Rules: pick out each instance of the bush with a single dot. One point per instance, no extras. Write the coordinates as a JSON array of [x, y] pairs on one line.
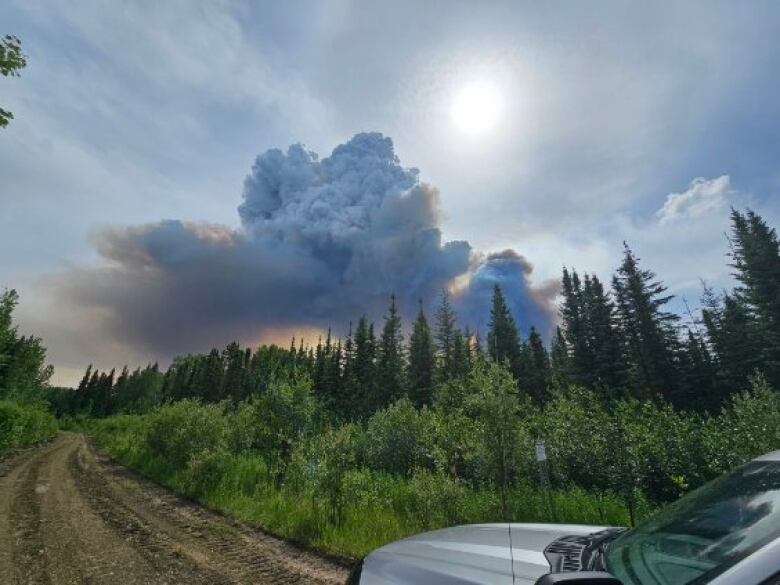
[[396, 439], [184, 429], [25, 424]]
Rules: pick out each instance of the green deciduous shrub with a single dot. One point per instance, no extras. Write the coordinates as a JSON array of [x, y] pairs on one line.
[[351, 487], [179, 431], [25, 424]]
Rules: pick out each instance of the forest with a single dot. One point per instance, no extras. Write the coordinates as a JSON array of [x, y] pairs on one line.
[[356, 441]]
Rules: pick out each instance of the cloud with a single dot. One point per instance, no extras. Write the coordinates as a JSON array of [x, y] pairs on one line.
[[322, 241], [702, 197]]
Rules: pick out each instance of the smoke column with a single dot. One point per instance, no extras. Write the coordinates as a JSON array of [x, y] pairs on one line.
[[322, 242]]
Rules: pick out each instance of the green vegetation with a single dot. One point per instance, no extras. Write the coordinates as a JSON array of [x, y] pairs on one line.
[[22, 425], [355, 442], [24, 417], [352, 487], [12, 60]]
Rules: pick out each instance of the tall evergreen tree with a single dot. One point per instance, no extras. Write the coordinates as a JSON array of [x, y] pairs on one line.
[[734, 342], [422, 361], [445, 337], [651, 339], [390, 359], [559, 361], [574, 318], [360, 382], [605, 340], [461, 354], [698, 388], [536, 367], [756, 260], [502, 340], [593, 338], [233, 383], [207, 377]]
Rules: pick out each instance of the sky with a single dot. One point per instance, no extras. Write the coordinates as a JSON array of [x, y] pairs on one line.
[[141, 127]]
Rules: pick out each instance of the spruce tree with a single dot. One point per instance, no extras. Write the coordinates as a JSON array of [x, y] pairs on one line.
[[422, 362], [651, 340], [233, 380], [559, 361], [390, 359], [461, 355], [361, 380], [445, 334], [593, 338], [606, 347], [503, 343], [699, 389], [574, 318], [537, 375], [207, 377], [734, 342], [755, 258]]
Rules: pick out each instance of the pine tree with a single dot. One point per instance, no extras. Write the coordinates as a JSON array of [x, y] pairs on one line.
[[422, 361], [649, 331], [390, 359], [503, 341]]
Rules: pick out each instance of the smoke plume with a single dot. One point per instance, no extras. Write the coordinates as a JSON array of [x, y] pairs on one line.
[[322, 242]]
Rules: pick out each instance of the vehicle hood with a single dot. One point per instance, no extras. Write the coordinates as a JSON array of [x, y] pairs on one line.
[[476, 554], [529, 542]]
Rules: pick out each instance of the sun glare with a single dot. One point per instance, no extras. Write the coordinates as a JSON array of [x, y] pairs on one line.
[[477, 108]]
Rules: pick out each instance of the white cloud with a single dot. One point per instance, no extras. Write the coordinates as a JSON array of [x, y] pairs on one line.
[[702, 197]]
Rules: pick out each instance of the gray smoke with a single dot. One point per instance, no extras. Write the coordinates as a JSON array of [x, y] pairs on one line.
[[322, 242]]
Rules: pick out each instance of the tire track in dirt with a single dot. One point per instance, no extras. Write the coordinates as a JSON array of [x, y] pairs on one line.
[[25, 526], [70, 515], [229, 548]]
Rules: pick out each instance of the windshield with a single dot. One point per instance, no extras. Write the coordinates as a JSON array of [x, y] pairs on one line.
[[704, 533]]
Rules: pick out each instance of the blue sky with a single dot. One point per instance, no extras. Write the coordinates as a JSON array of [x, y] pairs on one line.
[[620, 122]]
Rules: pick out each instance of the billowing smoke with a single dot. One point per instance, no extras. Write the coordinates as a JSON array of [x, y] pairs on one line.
[[322, 242]]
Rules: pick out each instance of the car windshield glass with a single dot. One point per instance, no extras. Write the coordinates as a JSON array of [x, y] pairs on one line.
[[704, 533]]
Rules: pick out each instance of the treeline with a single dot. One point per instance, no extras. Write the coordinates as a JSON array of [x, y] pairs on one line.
[[24, 375], [619, 343]]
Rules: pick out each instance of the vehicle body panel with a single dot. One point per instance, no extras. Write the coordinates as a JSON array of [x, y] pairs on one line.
[[529, 542], [473, 554]]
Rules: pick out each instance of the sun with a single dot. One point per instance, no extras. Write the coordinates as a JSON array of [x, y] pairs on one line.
[[477, 108]]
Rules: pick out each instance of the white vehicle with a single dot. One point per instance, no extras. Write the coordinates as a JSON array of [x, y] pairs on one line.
[[725, 533]]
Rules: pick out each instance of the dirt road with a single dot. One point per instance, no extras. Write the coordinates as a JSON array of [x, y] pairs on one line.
[[70, 515]]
